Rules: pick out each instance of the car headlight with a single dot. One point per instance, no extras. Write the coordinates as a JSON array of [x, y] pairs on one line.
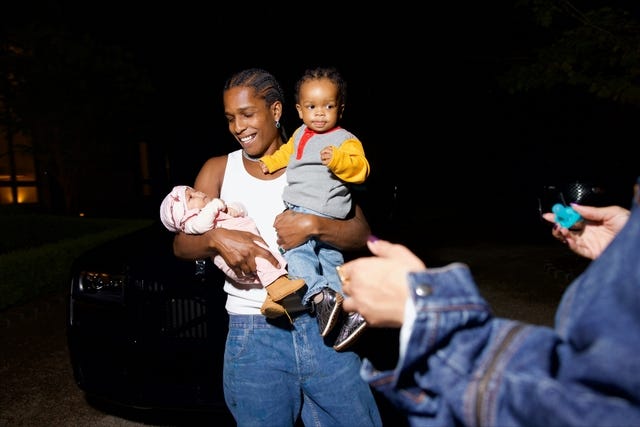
[[101, 284]]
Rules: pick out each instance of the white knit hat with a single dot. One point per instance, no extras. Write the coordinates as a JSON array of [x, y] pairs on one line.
[[173, 209]]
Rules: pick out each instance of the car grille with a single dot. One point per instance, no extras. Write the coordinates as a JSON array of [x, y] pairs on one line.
[[186, 318], [175, 311]]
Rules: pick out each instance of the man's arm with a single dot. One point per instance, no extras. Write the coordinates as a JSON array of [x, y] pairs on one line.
[[295, 228]]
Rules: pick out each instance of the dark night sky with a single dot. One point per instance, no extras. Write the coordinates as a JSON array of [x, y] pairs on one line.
[[421, 85]]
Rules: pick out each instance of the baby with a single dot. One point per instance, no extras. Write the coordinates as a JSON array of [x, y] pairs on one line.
[[193, 212]]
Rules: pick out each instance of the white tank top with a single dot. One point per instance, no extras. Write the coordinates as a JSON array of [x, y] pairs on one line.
[[263, 200]]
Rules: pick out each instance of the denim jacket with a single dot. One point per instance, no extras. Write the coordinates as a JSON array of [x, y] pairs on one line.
[[463, 366]]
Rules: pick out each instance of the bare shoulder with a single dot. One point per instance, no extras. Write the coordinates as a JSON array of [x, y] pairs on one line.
[[216, 162], [209, 179]]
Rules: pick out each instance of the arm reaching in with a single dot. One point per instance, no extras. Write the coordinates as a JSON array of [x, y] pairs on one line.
[[601, 224], [377, 286]]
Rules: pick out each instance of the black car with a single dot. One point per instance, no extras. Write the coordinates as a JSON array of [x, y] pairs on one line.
[[146, 329]]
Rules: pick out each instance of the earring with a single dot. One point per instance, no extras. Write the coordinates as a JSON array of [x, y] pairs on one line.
[[277, 124]]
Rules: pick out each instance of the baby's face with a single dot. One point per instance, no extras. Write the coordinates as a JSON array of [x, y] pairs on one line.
[[196, 199]]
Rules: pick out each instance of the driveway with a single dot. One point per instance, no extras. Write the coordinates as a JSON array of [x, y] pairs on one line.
[[37, 381]]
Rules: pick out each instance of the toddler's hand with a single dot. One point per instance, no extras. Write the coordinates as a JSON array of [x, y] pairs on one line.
[[326, 155], [264, 167]]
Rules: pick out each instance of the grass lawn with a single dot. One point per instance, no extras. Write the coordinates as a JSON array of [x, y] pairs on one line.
[[36, 251]]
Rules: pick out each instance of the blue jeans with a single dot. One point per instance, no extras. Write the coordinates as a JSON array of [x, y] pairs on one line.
[[315, 262], [274, 372]]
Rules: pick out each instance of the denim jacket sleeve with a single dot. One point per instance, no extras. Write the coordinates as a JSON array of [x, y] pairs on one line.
[[464, 366]]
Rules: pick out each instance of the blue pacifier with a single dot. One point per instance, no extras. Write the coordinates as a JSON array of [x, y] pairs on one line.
[[566, 216]]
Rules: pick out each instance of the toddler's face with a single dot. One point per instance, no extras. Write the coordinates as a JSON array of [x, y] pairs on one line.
[[318, 105], [196, 199]]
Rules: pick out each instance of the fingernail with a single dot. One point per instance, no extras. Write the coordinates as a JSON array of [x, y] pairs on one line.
[[372, 239]]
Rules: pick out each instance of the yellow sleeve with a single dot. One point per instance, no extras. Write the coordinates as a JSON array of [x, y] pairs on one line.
[[349, 162], [280, 158]]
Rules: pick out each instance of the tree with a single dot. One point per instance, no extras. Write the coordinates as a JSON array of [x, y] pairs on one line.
[[80, 99], [593, 46]]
